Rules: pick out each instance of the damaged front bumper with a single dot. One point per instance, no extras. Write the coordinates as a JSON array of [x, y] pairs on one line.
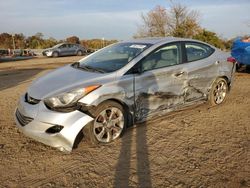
[[56, 129]]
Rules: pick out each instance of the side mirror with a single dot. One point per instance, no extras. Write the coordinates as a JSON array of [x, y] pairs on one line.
[[136, 69]]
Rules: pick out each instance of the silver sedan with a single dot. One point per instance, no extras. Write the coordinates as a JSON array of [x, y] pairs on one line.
[[64, 49], [120, 85]]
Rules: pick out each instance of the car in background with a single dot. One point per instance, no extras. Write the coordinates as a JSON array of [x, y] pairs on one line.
[[16, 52], [3, 52], [124, 83], [64, 49], [241, 52]]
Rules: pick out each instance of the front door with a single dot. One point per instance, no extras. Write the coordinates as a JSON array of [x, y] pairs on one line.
[[63, 49], [160, 86]]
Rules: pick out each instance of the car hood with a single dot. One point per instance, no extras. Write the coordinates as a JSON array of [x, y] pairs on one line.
[[47, 49], [65, 79]]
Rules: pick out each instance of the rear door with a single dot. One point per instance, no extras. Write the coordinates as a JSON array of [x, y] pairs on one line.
[[201, 67], [72, 49]]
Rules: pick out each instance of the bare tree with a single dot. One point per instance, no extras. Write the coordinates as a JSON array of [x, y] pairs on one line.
[[184, 22], [178, 21], [155, 23]]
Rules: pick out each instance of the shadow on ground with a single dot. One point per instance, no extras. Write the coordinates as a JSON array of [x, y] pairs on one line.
[[12, 78], [124, 174]]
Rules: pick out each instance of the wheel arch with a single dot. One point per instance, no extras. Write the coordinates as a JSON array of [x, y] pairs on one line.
[[128, 109], [123, 104]]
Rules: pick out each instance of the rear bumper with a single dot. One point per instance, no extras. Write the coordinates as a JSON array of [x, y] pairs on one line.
[[34, 120]]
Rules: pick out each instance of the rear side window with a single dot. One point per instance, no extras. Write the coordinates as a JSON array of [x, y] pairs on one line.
[[196, 51], [69, 45]]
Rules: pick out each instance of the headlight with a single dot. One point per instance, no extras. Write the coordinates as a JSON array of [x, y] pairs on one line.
[[68, 99]]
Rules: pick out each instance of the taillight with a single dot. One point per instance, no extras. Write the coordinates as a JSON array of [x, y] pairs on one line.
[[231, 60]]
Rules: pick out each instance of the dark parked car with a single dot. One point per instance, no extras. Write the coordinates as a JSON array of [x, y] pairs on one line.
[[3, 52], [64, 49]]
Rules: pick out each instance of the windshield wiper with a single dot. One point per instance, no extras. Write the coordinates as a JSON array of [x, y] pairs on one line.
[[94, 69], [87, 68]]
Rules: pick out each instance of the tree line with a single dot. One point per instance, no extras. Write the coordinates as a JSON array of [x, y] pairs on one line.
[[37, 41], [178, 21]]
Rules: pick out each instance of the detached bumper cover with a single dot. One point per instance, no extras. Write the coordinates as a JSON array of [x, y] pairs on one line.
[[34, 120]]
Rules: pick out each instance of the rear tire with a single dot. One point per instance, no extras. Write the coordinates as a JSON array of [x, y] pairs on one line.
[[218, 92], [109, 123], [79, 53]]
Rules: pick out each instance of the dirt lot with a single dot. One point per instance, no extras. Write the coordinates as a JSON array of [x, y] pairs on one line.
[[198, 147]]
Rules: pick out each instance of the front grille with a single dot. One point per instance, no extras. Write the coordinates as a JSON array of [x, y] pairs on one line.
[[31, 100], [23, 120]]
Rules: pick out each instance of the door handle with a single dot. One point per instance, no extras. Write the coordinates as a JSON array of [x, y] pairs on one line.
[[179, 74]]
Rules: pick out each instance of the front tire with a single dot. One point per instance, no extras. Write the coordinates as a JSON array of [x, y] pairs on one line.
[[109, 123], [218, 92], [55, 54]]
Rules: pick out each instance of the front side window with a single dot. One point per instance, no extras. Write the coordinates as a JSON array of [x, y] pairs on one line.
[[57, 45], [168, 55], [114, 57], [196, 51]]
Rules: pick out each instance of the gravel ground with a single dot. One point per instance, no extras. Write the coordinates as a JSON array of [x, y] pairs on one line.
[[197, 147]]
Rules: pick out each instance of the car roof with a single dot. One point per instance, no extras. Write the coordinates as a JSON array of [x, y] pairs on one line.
[[67, 43], [155, 40]]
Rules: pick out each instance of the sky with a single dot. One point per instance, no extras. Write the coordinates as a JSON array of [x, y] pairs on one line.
[[114, 19]]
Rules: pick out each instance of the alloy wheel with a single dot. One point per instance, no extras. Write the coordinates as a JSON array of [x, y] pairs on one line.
[[108, 125]]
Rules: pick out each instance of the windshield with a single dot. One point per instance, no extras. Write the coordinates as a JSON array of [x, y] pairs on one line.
[[57, 45], [113, 57]]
